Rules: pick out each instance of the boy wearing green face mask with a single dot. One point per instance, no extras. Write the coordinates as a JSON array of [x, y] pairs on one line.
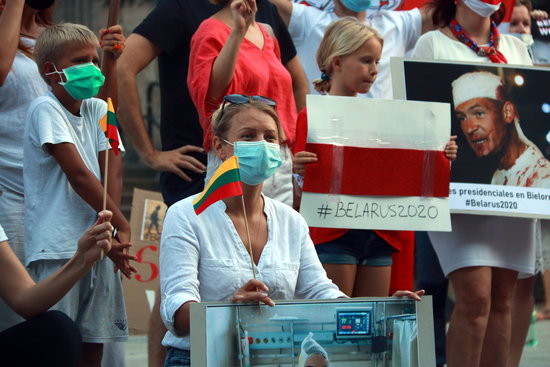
[[64, 152]]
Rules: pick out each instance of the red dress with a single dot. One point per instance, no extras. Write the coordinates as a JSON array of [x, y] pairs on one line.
[[257, 72], [403, 241]]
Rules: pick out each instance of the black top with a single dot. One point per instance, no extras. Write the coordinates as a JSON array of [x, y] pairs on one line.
[[170, 26]]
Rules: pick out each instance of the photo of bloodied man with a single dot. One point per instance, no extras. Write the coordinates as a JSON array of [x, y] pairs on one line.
[[489, 121], [501, 116]]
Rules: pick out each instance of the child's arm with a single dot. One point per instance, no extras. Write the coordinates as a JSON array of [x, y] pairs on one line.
[[299, 160], [88, 187]]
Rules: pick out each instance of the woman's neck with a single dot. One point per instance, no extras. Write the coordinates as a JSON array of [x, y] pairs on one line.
[[29, 26], [252, 198], [477, 27]]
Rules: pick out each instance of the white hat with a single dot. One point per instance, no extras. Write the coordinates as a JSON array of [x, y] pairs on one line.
[[479, 84]]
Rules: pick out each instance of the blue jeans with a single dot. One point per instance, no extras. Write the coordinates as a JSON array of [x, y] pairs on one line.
[[177, 358]]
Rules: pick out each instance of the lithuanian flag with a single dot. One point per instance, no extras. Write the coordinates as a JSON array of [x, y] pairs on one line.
[[226, 182], [109, 126]]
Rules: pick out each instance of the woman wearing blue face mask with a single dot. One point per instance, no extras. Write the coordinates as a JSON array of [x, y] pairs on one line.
[[205, 257]]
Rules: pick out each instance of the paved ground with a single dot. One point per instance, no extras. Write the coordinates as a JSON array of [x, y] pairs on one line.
[[538, 356]]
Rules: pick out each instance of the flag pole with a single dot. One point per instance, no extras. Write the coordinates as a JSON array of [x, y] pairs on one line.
[[106, 68], [248, 238]]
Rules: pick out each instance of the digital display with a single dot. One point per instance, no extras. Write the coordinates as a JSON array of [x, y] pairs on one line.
[[353, 323]]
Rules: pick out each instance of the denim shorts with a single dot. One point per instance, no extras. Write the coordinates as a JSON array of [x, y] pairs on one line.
[[177, 357], [356, 247]]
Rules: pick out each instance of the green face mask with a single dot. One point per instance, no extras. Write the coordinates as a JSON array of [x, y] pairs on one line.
[[82, 81]]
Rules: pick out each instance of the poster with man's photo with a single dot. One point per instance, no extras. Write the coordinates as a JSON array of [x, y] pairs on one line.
[[501, 117]]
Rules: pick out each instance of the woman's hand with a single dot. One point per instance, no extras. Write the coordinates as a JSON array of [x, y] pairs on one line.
[[112, 40], [412, 295], [299, 161], [253, 291], [243, 13], [451, 149], [97, 239]]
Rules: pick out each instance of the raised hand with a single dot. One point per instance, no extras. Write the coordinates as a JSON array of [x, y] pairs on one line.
[[112, 40], [243, 13]]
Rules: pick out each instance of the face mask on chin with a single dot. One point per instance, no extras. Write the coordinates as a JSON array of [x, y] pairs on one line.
[[483, 8], [527, 39]]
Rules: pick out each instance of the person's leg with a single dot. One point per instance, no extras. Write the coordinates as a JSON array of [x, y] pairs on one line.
[[499, 326], [545, 312], [430, 277], [472, 286], [91, 355], [522, 309], [372, 281], [156, 351], [48, 340], [114, 354], [343, 275]]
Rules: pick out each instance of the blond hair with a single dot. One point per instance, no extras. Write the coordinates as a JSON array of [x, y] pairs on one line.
[[51, 44], [342, 37], [221, 123]]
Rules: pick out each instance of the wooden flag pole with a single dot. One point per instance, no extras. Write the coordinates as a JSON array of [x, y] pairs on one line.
[[249, 241], [107, 68]]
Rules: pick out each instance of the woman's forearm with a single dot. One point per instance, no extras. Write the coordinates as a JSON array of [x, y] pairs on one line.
[[182, 320], [38, 298], [224, 65]]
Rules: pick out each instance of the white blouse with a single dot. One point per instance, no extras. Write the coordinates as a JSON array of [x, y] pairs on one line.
[[202, 258]]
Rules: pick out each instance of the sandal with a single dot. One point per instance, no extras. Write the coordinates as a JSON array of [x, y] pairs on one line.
[[544, 314]]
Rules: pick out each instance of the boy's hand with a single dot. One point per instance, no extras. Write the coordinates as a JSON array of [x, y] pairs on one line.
[[112, 40], [120, 256]]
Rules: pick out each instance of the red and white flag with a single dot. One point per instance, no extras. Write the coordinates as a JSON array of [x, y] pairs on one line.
[[380, 164]]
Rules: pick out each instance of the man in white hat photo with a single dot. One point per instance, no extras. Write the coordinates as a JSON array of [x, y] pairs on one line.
[[490, 123]]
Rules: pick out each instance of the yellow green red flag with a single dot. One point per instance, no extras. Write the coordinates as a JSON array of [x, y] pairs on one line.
[[226, 182], [109, 126]]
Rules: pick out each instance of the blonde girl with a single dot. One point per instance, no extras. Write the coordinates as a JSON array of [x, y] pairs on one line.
[[358, 261]]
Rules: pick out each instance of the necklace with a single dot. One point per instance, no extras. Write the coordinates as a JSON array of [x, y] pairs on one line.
[[490, 51]]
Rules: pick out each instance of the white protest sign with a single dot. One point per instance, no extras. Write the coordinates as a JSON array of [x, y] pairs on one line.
[[370, 148]]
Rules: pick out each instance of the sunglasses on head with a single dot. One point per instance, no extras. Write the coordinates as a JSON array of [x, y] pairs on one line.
[[242, 99]]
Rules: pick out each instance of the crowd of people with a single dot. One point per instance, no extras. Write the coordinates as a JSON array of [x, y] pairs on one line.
[[233, 79]]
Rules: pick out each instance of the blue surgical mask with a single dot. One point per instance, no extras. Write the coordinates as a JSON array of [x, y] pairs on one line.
[[258, 160], [357, 5]]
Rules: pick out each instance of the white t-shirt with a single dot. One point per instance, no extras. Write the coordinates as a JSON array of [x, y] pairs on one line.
[[436, 45], [531, 169], [55, 215], [400, 30], [202, 258], [3, 236], [22, 85]]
